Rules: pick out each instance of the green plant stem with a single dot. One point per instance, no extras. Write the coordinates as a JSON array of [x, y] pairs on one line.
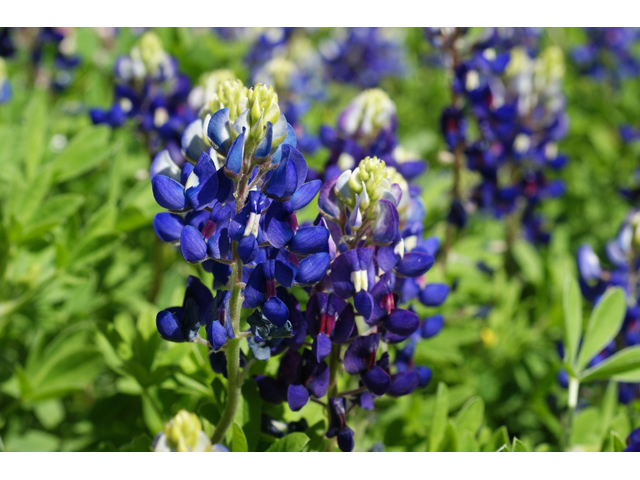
[[574, 388], [234, 378]]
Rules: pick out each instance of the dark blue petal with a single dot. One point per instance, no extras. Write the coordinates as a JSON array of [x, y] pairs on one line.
[[414, 264], [169, 323], [403, 383], [345, 440], [305, 194], [276, 311], [385, 226], [202, 185], [376, 380], [313, 268], [363, 301], [264, 148], [233, 167], [168, 193], [425, 375], [402, 322], [328, 203], [248, 249], [219, 130], [318, 384], [297, 397], [308, 240], [216, 334], [434, 294], [168, 226], [431, 326], [192, 245], [321, 347]]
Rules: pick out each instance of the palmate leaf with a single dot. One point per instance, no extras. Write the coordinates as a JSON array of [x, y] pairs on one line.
[[439, 423], [604, 324]]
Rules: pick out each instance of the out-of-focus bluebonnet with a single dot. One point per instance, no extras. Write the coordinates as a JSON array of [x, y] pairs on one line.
[[5, 86], [512, 93], [633, 441], [152, 93], [621, 269], [608, 53], [286, 59], [367, 127], [363, 56]]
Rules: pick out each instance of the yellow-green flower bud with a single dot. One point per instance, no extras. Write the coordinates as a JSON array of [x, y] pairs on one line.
[[368, 113], [231, 94], [149, 50], [278, 71], [184, 433]]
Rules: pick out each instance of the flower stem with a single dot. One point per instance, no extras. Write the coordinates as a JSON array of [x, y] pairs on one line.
[[234, 378], [574, 388]]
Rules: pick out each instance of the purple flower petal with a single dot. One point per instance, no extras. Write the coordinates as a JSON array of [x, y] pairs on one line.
[[403, 383], [321, 347], [385, 226], [308, 240], [202, 185], [414, 264], [305, 194], [361, 354], [431, 326], [313, 268], [297, 397]]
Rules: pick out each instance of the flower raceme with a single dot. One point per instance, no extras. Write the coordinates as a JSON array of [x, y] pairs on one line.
[[232, 208]]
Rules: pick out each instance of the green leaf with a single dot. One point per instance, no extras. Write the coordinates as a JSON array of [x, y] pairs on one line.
[[529, 261], [585, 432], [499, 440], [33, 133], [439, 423], [617, 444], [608, 410], [626, 360], [50, 413], [471, 416], [53, 212], [92, 249], [467, 442], [518, 446], [294, 442], [85, 151], [239, 442], [604, 324], [572, 304], [252, 413]]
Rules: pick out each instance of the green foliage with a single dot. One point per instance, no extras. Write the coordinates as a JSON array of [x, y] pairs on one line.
[[82, 367]]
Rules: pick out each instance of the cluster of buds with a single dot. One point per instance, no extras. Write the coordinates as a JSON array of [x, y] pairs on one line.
[[514, 96], [152, 92], [623, 270], [232, 208]]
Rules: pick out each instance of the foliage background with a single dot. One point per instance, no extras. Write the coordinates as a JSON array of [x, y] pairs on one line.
[[82, 276]]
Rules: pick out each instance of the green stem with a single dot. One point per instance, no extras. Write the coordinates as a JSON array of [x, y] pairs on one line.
[[234, 378], [574, 388]]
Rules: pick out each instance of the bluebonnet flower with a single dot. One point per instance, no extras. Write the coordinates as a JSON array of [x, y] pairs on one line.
[[151, 91], [608, 53], [53, 54], [363, 56], [362, 257], [623, 255], [512, 92]]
